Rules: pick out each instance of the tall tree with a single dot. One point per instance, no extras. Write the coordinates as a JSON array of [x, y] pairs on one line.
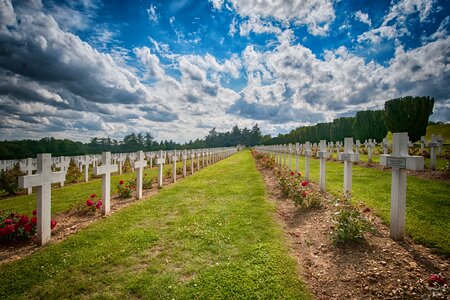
[[342, 128], [408, 114], [369, 124]]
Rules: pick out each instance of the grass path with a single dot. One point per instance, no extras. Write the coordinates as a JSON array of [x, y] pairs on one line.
[[210, 236], [427, 203]]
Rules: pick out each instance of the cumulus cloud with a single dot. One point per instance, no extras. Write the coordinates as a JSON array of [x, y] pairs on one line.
[[150, 61], [317, 15], [363, 17], [394, 24], [152, 15]]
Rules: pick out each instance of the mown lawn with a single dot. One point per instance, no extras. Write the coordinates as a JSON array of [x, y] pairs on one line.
[[427, 203], [67, 197], [210, 236]]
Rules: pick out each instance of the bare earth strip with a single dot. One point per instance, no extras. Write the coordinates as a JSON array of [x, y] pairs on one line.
[[379, 268]]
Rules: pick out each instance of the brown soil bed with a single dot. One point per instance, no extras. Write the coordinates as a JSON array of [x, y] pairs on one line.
[[71, 222], [378, 268]]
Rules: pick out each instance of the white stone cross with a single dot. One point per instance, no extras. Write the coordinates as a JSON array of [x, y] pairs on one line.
[[348, 157], [422, 144], [184, 158], [399, 160], [369, 146], [297, 153], [308, 154], [63, 165], [289, 151], [385, 145], [43, 180], [86, 161], [121, 159], [28, 168], [174, 165], [331, 147], [203, 158], [105, 170], [139, 165], [192, 162], [358, 145], [323, 155], [197, 154], [160, 161], [432, 146], [439, 144]]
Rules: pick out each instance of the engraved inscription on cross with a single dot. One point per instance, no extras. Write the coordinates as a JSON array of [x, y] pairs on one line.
[[43, 180], [105, 170]]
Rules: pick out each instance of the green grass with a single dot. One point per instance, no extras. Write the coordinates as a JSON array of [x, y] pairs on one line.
[[427, 203], [443, 129], [67, 197], [210, 236]]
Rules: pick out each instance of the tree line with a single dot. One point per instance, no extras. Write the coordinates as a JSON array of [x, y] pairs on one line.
[[130, 143], [408, 114]]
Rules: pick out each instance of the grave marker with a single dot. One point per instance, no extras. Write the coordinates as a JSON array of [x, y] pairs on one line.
[[290, 156], [139, 165], [43, 180], [184, 158], [348, 157], [105, 170], [174, 165], [323, 155], [399, 160], [308, 154], [297, 153], [28, 168], [160, 160]]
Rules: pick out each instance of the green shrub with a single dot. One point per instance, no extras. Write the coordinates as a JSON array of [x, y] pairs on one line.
[[349, 225], [73, 172], [9, 179]]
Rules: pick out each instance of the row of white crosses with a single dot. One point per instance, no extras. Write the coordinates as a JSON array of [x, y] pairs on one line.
[[399, 161], [44, 178]]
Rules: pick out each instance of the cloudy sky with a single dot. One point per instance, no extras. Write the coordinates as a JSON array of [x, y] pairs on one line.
[[79, 69]]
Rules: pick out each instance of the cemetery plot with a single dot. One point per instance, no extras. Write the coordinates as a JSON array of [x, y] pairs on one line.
[[377, 268], [427, 207], [211, 234]]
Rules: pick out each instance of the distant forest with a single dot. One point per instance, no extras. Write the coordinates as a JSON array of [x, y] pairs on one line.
[[130, 143]]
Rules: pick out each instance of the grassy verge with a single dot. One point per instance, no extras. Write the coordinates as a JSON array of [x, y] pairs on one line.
[[210, 236], [67, 197], [428, 201]]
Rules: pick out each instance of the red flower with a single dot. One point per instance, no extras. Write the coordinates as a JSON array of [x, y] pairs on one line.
[[3, 232], [34, 220], [304, 194], [99, 204], [436, 279], [9, 229], [121, 182], [292, 173], [34, 212], [93, 195], [24, 219], [89, 202], [53, 224], [304, 183], [8, 221], [28, 227]]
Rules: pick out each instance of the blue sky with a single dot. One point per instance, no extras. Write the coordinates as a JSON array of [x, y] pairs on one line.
[[79, 69]]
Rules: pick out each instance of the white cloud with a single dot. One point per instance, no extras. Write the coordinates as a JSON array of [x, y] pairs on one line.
[[317, 15], [363, 17], [150, 61], [152, 15], [257, 26], [395, 22], [217, 4]]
